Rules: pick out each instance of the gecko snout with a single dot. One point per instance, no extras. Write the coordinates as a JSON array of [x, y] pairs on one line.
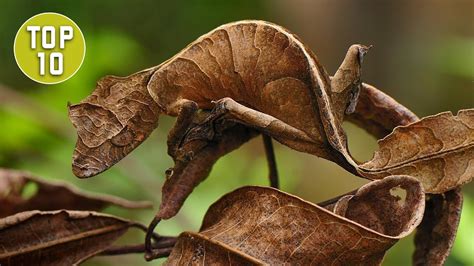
[[84, 166]]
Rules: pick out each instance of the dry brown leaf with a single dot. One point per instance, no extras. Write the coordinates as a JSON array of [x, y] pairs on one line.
[[51, 196], [379, 206], [438, 150], [197, 249], [276, 228], [435, 235], [57, 237]]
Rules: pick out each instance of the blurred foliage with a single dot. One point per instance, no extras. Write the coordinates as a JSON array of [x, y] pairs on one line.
[[426, 59]]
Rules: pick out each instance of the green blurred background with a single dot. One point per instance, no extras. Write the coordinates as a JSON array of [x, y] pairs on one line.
[[423, 56]]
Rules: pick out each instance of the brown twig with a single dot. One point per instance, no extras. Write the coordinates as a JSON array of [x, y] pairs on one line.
[[271, 160], [153, 235]]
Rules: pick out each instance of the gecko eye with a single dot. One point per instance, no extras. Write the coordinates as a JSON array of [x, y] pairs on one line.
[[363, 50], [124, 138], [169, 172]]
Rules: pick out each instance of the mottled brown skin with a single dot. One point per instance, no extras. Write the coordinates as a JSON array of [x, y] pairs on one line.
[[111, 122], [260, 73], [192, 168]]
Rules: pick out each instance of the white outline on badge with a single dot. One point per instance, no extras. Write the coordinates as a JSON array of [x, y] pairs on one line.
[[83, 54]]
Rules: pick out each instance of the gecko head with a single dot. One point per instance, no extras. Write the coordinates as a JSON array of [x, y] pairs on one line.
[[360, 51], [111, 122]]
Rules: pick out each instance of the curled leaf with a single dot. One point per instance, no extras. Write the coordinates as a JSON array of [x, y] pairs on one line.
[[57, 237], [378, 206], [277, 228], [435, 235], [438, 150], [51, 196]]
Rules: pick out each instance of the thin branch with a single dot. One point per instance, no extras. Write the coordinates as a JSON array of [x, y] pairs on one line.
[[153, 235], [131, 249], [272, 165], [161, 248]]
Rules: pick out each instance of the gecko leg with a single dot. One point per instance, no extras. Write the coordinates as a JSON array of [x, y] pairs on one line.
[[272, 166], [186, 112], [185, 117], [265, 123]]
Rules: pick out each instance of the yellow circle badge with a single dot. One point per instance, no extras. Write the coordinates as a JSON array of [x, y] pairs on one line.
[[49, 48]]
